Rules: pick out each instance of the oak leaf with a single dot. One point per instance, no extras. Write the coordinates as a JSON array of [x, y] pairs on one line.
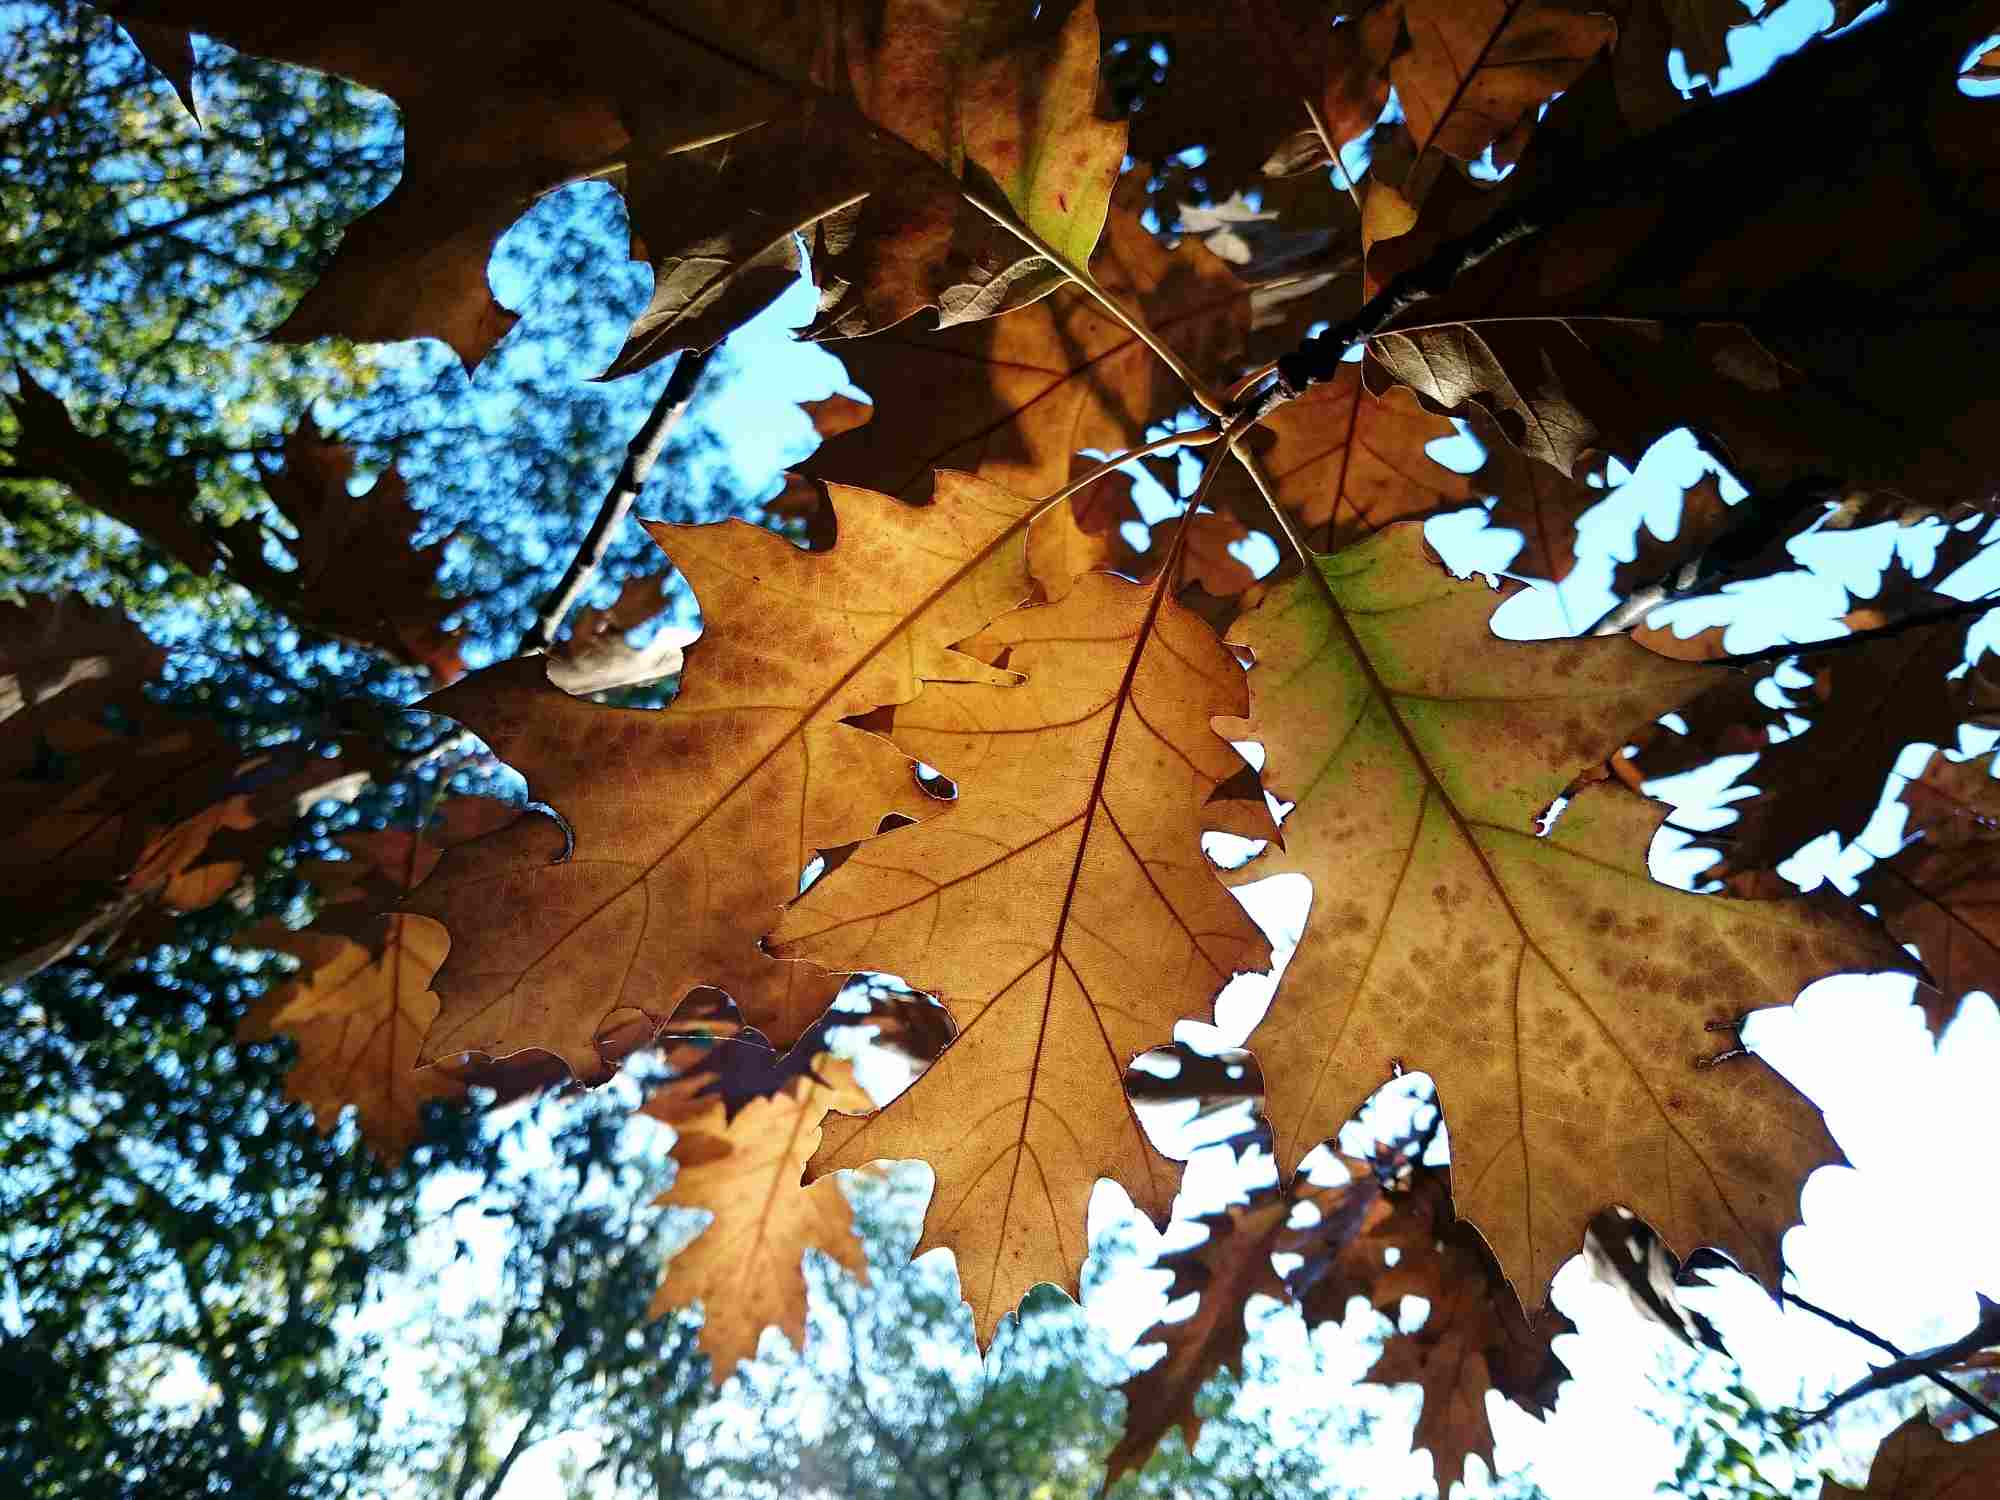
[[1941, 890], [1347, 462], [1307, 65], [354, 574], [745, 1171], [1915, 1462], [357, 574], [733, 127], [1061, 909], [1476, 1337], [170, 50], [361, 1004], [1554, 990], [1230, 1266], [49, 445], [1476, 70], [692, 825], [358, 1012], [1828, 773]]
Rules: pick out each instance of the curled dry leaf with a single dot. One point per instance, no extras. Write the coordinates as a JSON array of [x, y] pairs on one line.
[[745, 1171], [1061, 909], [105, 818], [1622, 1252], [733, 127], [1679, 299], [692, 824], [597, 657], [1555, 991]]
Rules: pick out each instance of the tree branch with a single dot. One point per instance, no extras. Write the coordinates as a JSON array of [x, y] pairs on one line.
[[1687, 144], [1910, 1366], [640, 456], [1760, 521]]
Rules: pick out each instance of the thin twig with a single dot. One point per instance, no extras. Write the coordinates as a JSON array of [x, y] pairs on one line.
[[640, 456], [1957, 609], [1325, 135], [1760, 520], [1936, 1377]]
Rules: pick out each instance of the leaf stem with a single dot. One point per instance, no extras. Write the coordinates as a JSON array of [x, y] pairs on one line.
[[1197, 387], [1226, 445], [1199, 437]]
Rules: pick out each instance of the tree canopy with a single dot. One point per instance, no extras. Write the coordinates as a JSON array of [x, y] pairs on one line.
[[385, 813]]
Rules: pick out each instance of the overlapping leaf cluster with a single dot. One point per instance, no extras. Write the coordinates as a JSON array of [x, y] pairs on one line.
[[984, 600]]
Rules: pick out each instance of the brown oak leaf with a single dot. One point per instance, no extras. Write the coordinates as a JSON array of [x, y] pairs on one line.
[[1063, 911], [1556, 992], [692, 825], [745, 1171]]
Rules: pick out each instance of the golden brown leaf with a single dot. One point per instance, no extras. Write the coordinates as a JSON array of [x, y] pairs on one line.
[[361, 1004], [1476, 70], [744, 1267], [1915, 1462], [1347, 463], [359, 1011], [1062, 909], [692, 825], [102, 819], [1555, 991]]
